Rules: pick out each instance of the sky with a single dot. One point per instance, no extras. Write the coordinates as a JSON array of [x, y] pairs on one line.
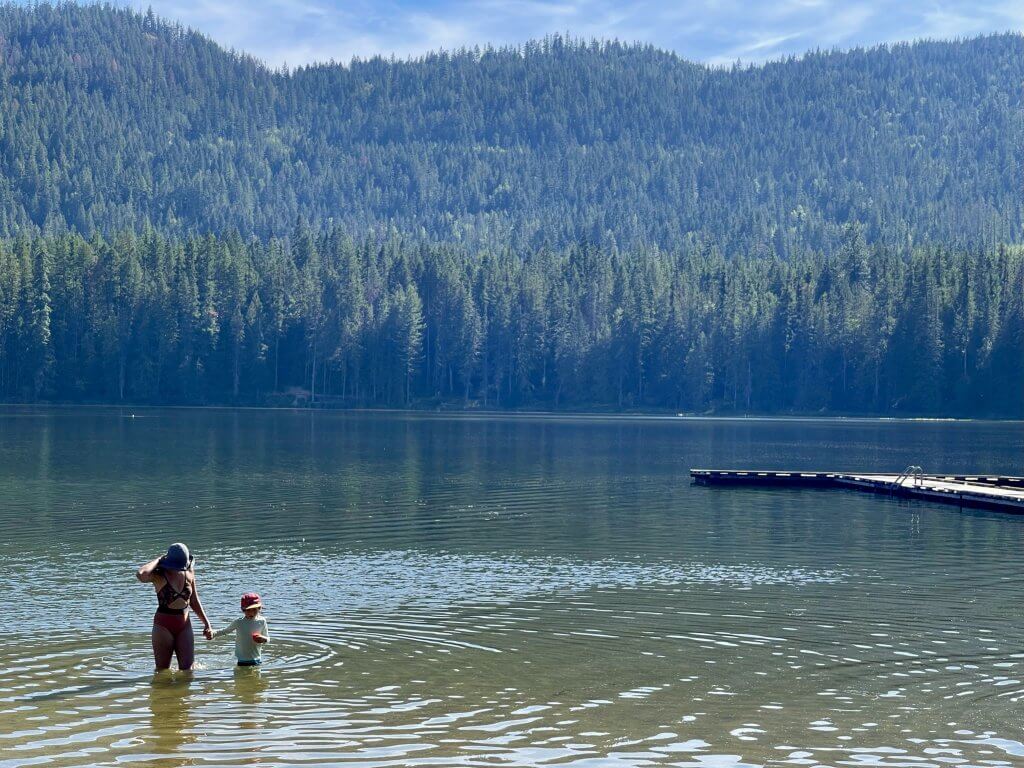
[[711, 31]]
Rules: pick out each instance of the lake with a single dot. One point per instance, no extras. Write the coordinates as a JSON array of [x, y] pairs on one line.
[[488, 590]]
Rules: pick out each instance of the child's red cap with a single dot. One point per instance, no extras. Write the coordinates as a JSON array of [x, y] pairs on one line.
[[251, 600]]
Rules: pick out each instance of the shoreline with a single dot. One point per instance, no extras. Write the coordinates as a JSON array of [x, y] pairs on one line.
[[498, 413]]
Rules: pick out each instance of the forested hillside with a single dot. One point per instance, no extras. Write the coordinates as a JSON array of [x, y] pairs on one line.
[[112, 120], [565, 224], [153, 318]]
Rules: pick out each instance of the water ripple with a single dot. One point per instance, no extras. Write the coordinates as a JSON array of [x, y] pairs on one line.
[[466, 592]]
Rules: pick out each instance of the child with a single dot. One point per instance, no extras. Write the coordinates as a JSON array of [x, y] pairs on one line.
[[251, 632]]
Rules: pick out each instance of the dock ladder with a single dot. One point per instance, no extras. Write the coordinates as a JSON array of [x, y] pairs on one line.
[[913, 473]]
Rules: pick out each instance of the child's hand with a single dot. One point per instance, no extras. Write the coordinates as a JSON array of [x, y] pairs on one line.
[[259, 639]]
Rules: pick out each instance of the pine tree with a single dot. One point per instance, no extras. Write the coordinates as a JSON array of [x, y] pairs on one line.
[[40, 350]]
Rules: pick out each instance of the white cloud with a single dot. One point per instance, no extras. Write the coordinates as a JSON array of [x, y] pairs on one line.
[[714, 31], [769, 43], [845, 25], [943, 23]]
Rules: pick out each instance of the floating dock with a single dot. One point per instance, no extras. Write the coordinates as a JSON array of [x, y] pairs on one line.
[[998, 492]]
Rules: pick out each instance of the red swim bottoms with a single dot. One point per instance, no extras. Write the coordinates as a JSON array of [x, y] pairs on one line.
[[175, 623]]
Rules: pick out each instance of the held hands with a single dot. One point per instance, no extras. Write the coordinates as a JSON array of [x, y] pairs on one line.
[[208, 632]]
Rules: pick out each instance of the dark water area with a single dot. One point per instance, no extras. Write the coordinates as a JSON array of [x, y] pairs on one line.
[[484, 590]]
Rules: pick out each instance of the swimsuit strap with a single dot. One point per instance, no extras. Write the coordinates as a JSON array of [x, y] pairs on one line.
[[185, 592], [173, 595]]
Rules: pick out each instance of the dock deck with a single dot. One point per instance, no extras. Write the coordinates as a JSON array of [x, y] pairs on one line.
[[999, 492]]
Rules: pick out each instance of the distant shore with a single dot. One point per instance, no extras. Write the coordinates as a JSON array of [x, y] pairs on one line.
[[452, 410]]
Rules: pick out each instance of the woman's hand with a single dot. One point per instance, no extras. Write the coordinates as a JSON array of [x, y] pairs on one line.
[[208, 632]]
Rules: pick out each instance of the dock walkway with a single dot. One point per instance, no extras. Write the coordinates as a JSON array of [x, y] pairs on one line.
[[1000, 492]]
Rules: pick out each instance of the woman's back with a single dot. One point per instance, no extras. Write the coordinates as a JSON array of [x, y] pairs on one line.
[[168, 595]]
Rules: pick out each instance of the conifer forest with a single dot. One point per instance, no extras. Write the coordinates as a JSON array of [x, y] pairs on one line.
[[561, 225]]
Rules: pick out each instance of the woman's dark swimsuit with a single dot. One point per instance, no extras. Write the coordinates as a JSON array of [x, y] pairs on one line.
[[176, 621], [169, 594], [173, 620]]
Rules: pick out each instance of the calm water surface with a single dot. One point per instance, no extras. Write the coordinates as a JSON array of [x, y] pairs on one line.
[[501, 591]]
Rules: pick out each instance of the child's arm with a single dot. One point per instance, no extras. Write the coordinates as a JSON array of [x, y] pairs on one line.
[[215, 633], [264, 636]]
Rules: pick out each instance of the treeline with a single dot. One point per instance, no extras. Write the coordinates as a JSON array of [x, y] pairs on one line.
[[392, 321], [113, 120]]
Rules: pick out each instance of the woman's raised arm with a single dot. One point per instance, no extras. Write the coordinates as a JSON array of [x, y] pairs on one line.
[[145, 573]]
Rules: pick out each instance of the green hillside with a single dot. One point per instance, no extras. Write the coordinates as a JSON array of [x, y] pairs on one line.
[[565, 225], [110, 119]]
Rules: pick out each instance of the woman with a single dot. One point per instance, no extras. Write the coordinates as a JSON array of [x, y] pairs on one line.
[[174, 580]]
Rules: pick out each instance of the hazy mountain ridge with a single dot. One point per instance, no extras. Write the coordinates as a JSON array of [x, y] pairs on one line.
[[112, 119]]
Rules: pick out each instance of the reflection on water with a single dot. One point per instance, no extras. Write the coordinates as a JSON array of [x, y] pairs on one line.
[[170, 727], [520, 592], [249, 685]]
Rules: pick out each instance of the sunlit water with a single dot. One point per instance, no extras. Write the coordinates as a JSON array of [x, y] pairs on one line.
[[502, 591]]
